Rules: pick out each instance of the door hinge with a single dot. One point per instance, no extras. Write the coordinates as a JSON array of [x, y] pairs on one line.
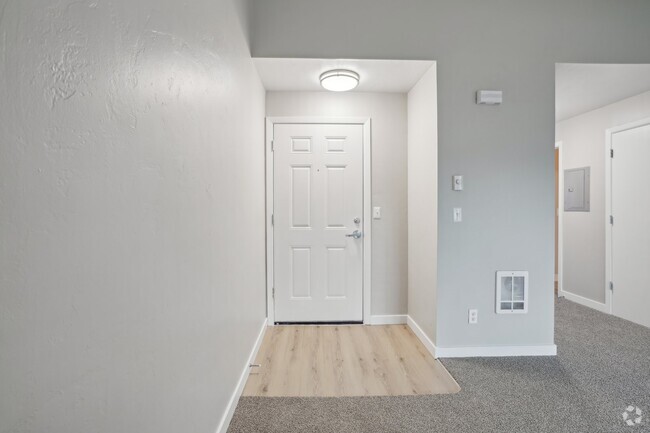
[[611, 219], [611, 153], [272, 219], [611, 286], [273, 292], [272, 145]]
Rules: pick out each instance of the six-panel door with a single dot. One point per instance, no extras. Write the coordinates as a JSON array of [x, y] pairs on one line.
[[318, 200]]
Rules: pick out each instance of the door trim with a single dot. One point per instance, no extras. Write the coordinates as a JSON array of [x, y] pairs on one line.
[[609, 259], [367, 204], [560, 218]]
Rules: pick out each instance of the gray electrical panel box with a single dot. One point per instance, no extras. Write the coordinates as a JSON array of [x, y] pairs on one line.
[[576, 190]]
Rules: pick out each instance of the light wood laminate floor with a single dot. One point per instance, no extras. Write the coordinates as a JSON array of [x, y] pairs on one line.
[[338, 361]]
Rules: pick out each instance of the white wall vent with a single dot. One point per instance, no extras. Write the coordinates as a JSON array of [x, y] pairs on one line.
[[512, 292]]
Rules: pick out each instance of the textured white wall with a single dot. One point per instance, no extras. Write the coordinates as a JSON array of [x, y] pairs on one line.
[[131, 214], [423, 203], [389, 130], [583, 145]]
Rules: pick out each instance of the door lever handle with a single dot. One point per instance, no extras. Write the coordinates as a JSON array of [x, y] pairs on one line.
[[355, 234]]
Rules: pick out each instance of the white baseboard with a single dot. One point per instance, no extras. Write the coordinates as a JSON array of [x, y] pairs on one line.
[[426, 341], [474, 352], [232, 404], [584, 301], [490, 351], [393, 319]]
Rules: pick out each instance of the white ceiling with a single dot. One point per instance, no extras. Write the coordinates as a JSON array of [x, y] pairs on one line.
[[584, 87], [390, 76]]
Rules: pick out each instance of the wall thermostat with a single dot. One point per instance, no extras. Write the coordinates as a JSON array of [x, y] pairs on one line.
[[489, 97], [457, 182]]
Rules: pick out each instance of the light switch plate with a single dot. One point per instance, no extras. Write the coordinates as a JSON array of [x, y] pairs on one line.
[[458, 214], [376, 213]]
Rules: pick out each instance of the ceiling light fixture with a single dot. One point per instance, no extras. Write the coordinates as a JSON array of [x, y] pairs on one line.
[[339, 80]]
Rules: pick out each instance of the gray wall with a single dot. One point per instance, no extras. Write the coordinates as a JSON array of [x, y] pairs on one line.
[[506, 152], [131, 214], [389, 130], [583, 145], [423, 203]]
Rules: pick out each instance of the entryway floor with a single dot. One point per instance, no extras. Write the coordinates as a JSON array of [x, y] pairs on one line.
[[345, 361]]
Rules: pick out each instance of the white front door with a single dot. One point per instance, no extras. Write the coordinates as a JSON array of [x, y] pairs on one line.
[[631, 228], [317, 201]]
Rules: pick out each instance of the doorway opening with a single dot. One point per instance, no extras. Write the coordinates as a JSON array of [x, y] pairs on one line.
[[603, 131], [351, 199], [337, 180]]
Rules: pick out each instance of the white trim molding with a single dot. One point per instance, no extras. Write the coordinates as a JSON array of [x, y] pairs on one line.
[[388, 319], [422, 336], [560, 218], [367, 219], [492, 351], [367, 204], [476, 352], [603, 308], [232, 404], [270, 306]]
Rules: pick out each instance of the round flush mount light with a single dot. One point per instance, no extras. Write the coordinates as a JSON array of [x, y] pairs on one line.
[[339, 80]]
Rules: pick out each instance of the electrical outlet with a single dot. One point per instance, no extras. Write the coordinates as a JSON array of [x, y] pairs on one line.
[[473, 317]]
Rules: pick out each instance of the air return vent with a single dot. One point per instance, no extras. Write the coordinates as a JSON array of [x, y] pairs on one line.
[[512, 292]]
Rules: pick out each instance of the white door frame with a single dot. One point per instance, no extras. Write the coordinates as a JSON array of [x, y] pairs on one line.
[[367, 204], [609, 264], [560, 217]]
